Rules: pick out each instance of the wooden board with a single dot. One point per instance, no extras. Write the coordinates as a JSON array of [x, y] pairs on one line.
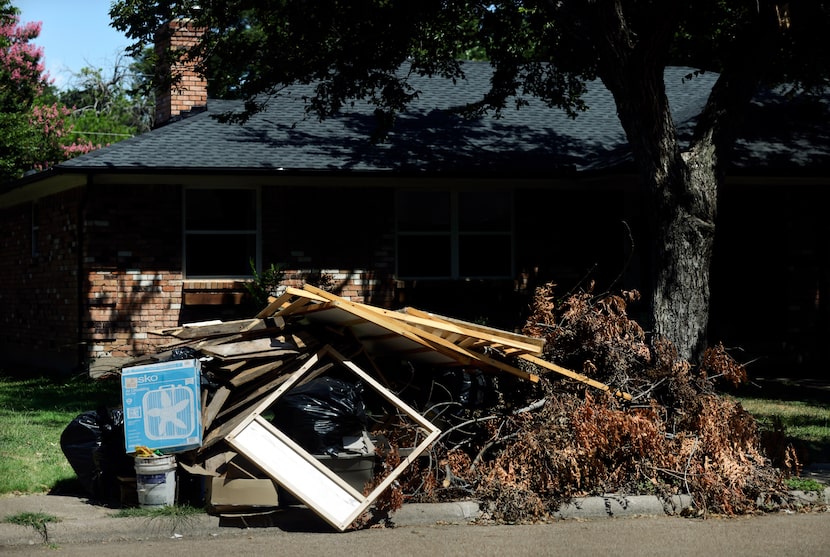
[[272, 346]]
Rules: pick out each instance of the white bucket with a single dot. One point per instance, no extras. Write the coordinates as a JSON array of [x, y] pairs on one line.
[[155, 481]]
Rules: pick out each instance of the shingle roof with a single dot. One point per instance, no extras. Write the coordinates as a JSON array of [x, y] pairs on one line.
[[426, 138]]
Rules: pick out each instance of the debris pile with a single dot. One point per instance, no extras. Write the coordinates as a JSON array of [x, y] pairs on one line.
[[449, 410], [315, 378]]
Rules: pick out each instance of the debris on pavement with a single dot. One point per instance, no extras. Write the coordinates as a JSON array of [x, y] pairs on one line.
[[260, 399], [352, 409]]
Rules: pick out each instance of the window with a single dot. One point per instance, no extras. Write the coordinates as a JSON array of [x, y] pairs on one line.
[[220, 232], [464, 234]]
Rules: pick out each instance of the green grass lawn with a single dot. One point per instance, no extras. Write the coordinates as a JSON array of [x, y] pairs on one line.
[[33, 414], [805, 424], [800, 409]]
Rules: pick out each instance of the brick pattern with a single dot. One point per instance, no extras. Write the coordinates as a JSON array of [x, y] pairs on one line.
[[190, 91], [131, 268], [39, 274], [124, 307]]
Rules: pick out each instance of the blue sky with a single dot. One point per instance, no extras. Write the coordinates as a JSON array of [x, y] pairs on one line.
[[75, 33]]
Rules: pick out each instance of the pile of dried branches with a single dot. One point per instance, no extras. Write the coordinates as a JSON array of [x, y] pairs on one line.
[[533, 447]]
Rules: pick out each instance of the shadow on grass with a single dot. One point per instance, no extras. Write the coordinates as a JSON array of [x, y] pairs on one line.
[[69, 487], [811, 391]]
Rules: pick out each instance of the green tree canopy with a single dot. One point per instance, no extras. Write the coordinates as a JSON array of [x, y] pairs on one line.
[[539, 48], [108, 107]]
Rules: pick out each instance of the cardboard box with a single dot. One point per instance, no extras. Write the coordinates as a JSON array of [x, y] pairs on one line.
[[239, 489], [241, 495], [162, 406]]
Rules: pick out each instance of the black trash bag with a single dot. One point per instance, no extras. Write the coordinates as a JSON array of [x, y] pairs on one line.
[[93, 443], [470, 388], [319, 414], [184, 353]]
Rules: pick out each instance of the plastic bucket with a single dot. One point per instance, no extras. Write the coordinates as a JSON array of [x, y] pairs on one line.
[[155, 481]]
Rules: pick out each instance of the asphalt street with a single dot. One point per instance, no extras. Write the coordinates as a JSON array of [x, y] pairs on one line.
[[779, 535]]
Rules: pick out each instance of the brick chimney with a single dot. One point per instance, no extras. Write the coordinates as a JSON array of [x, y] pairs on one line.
[[187, 90]]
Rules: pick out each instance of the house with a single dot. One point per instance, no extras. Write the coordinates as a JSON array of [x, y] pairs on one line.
[[450, 215]]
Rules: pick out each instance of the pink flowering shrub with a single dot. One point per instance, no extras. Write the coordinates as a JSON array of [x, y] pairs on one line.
[[34, 134], [20, 61], [51, 122]]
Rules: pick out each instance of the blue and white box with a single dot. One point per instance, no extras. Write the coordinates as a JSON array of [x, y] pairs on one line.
[[162, 406]]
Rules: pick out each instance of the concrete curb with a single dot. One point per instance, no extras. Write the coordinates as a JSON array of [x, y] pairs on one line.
[[622, 506], [81, 521]]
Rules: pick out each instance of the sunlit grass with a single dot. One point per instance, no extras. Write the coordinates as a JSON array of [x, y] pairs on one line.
[[167, 519], [805, 424], [33, 414]]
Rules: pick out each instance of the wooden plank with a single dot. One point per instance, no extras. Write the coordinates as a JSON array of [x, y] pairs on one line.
[[255, 373], [274, 305], [284, 305], [530, 344], [305, 477], [261, 355], [234, 367], [257, 393], [455, 330], [250, 347], [400, 328], [219, 433], [573, 375], [212, 409], [461, 355], [223, 328]]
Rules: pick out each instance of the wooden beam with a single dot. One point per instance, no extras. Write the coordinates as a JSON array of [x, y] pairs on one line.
[[574, 375]]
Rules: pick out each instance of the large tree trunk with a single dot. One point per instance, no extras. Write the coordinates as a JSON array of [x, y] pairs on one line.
[[681, 187], [681, 194], [684, 236]]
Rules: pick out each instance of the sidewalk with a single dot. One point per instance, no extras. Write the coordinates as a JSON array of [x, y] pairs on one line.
[[81, 521]]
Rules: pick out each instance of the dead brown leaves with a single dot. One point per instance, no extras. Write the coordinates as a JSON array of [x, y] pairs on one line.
[[678, 436]]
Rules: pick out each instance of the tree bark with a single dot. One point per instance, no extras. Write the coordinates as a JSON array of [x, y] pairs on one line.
[[684, 234]]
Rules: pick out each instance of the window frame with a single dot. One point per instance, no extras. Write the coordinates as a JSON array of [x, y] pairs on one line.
[[455, 234], [256, 231]]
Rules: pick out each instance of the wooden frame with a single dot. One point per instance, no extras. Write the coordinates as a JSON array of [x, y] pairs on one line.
[[299, 472]]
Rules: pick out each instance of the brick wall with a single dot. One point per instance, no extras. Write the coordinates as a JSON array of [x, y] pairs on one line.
[[39, 254], [132, 269], [357, 285]]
